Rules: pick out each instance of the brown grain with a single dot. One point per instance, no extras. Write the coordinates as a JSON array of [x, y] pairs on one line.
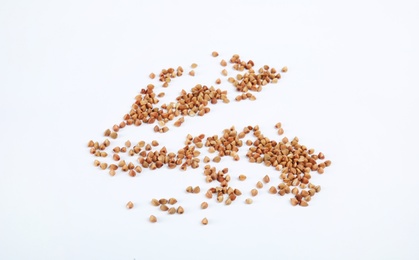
[[152, 219], [254, 192], [272, 190], [180, 210], [130, 205]]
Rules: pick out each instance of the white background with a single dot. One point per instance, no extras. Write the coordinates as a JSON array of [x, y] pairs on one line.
[[70, 69]]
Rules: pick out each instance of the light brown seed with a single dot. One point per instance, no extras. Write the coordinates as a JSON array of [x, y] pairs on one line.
[[172, 210], [280, 131], [189, 189], [303, 203], [130, 205], [194, 65], [284, 69], [121, 163], [90, 143], [153, 219], [304, 193], [138, 169], [228, 201], [208, 194], [155, 202], [312, 191], [164, 207], [116, 157], [172, 201], [132, 173], [103, 166], [242, 177], [107, 132], [266, 179], [163, 201], [154, 143], [259, 185], [214, 54], [152, 75], [278, 125], [206, 159], [220, 198], [180, 210], [96, 163], [294, 201], [204, 221], [216, 159], [204, 205], [249, 201], [128, 144], [224, 72], [254, 192], [237, 192], [327, 163], [114, 135], [192, 73], [272, 190], [196, 189], [218, 81], [131, 166], [223, 63], [320, 156]]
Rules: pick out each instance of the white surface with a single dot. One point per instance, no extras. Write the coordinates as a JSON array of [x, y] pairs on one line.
[[69, 70]]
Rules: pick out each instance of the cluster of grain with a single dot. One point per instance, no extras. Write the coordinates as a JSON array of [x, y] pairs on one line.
[[293, 161]]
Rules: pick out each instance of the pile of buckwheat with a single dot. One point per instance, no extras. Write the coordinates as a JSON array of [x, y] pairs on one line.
[[293, 161]]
